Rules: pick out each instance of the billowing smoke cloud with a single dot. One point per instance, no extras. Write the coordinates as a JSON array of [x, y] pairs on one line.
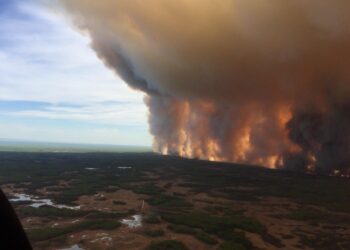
[[263, 82]]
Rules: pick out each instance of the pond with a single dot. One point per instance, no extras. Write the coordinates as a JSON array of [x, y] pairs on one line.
[[135, 222], [37, 202]]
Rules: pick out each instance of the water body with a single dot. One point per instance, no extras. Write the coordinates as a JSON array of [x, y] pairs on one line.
[[91, 169], [37, 202], [74, 247], [135, 222], [124, 167]]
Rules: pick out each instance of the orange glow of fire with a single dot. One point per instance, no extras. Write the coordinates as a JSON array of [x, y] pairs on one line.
[[200, 144]]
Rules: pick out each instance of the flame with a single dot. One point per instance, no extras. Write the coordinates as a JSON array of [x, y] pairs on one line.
[[243, 145], [194, 138], [270, 161]]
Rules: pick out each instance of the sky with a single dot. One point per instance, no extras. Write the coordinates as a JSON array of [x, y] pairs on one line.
[[53, 88]]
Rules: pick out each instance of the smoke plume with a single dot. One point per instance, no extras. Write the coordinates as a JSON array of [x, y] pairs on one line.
[[262, 82]]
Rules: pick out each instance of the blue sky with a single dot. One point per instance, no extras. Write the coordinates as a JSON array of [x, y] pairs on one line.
[[54, 88]]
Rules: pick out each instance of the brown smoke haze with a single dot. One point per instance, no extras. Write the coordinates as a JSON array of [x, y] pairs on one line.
[[251, 81]]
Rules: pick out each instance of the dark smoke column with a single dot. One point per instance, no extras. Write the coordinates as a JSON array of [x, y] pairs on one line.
[[271, 90]]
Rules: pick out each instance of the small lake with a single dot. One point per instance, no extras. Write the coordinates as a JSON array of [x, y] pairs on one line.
[[124, 167], [37, 202], [74, 247], [135, 222]]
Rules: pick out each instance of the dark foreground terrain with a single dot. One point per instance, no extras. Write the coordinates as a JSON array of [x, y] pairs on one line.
[[147, 201]]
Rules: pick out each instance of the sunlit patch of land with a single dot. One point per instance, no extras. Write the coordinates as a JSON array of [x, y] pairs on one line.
[[149, 201]]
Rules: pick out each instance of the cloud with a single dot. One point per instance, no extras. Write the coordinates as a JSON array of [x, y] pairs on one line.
[[50, 75], [42, 58], [113, 113]]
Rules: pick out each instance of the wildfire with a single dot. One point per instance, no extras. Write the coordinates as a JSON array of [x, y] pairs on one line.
[[194, 136], [272, 91]]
